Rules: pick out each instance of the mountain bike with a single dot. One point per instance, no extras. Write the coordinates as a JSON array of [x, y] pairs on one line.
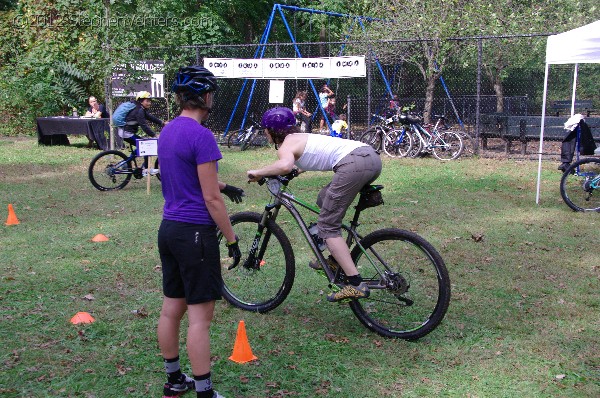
[[253, 135], [444, 145], [580, 185], [395, 142], [112, 170], [467, 139], [407, 277]]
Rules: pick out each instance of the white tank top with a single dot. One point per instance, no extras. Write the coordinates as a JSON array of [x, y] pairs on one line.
[[323, 152]]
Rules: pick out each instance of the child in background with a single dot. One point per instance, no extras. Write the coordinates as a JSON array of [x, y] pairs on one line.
[[339, 127]]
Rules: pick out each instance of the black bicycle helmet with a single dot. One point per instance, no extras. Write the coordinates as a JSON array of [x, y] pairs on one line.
[[194, 79]]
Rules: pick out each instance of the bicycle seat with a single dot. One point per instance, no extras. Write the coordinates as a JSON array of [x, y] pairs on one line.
[[370, 196]]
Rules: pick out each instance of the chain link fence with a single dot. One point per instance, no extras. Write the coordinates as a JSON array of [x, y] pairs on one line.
[[489, 87]]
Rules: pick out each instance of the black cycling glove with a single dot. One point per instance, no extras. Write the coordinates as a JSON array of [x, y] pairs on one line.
[[233, 193], [234, 251]]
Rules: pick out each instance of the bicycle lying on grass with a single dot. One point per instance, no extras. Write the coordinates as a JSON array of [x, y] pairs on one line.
[[408, 280], [580, 185], [112, 170], [254, 135]]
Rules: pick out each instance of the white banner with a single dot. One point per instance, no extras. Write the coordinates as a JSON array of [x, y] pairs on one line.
[[287, 68], [307, 68], [248, 68], [279, 68], [220, 67], [348, 67]]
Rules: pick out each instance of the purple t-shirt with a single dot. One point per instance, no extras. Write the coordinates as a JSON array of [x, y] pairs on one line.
[[182, 145]]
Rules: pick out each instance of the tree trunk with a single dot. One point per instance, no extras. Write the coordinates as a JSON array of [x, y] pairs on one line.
[[322, 38], [499, 90], [429, 98]]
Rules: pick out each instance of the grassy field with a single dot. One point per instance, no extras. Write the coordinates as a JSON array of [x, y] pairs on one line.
[[523, 320]]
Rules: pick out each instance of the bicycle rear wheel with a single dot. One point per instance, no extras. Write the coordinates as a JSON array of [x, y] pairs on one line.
[[412, 297], [110, 170], [447, 146], [397, 143], [234, 138], [373, 136], [579, 185], [263, 279]]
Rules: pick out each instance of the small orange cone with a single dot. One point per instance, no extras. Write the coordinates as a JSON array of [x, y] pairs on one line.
[[82, 317], [12, 217], [100, 238], [242, 352]]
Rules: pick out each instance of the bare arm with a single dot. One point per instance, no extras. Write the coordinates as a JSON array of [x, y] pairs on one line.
[[207, 174], [284, 165]]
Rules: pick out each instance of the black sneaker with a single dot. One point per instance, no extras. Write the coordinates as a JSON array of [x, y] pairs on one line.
[[563, 167], [185, 384], [350, 292]]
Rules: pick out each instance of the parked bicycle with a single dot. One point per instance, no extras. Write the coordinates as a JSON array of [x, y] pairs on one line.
[[444, 145], [580, 185], [407, 277], [253, 135], [112, 170], [386, 137], [441, 125]]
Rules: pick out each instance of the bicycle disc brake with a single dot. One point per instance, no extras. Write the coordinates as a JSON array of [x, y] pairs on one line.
[[398, 285]]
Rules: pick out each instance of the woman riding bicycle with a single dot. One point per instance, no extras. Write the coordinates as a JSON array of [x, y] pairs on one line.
[[354, 165]]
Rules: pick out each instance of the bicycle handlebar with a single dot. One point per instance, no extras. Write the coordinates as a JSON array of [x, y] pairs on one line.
[[284, 179]]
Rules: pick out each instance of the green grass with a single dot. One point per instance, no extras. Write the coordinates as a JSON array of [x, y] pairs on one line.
[[523, 319]]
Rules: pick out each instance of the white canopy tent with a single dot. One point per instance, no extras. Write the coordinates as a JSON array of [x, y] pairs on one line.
[[577, 46]]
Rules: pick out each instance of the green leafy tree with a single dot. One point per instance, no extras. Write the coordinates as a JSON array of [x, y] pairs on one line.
[[429, 24]]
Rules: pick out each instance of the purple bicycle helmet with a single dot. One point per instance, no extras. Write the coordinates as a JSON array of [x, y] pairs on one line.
[[279, 118]]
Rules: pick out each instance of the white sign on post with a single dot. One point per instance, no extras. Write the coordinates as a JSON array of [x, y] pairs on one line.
[[147, 147], [220, 67], [276, 91], [279, 68], [248, 68]]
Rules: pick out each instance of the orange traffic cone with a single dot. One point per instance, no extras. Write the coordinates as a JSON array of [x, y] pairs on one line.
[[242, 352], [12, 217], [82, 317], [100, 238]]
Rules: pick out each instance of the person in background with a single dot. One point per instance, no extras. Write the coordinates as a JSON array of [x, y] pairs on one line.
[[324, 94], [330, 108], [354, 165], [339, 126], [95, 110], [299, 109], [187, 239], [136, 118]]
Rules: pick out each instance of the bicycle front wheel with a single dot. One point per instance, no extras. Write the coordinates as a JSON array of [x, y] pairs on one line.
[[373, 136], [580, 185], [234, 138], [397, 143], [447, 146], [265, 275], [409, 283], [110, 170]]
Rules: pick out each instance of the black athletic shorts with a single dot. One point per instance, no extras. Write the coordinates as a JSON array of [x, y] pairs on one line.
[[191, 263]]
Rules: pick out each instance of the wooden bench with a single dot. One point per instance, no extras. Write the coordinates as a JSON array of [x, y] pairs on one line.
[[565, 106]]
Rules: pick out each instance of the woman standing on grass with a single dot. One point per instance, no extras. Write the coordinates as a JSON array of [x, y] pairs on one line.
[[187, 238]]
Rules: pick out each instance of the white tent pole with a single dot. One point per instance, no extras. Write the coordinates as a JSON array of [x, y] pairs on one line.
[[574, 89], [539, 176]]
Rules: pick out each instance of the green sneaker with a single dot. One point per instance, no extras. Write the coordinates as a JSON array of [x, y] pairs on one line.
[[350, 292]]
